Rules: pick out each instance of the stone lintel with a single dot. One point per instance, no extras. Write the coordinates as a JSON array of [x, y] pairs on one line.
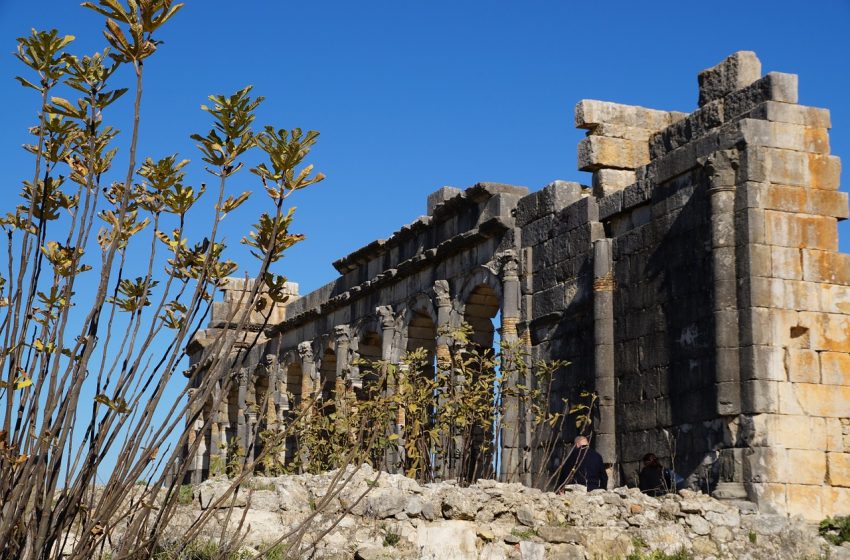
[[591, 113]]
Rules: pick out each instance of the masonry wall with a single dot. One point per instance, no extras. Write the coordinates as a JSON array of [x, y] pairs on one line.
[[695, 287]]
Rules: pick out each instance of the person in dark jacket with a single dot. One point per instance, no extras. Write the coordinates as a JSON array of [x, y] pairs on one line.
[[584, 466], [654, 479]]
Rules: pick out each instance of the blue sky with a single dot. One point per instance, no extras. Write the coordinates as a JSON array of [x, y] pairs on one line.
[[411, 96]]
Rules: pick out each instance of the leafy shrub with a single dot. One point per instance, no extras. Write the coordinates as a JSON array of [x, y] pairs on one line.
[[835, 529]]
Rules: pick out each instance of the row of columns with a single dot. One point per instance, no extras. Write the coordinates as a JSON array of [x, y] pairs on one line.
[[225, 431]]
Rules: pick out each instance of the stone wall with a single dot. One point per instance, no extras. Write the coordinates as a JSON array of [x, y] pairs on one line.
[[696, 286], [391, 517]]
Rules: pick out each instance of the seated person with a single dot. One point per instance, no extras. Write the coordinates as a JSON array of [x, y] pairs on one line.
[[654, 479]]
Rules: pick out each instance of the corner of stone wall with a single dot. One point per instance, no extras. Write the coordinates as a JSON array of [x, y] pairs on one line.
[[794, 294]]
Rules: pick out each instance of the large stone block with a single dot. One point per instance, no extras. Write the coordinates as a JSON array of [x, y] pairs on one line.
[[835, 369], [839, 469], [829, 203], [784, 136], [775, 86], [829, 401], [836, 501], [793, 466], [806, 501], [607, 181], [761, 396], [763, 362], [786, 431], [589, 113], [786, 199], [802, 365], [792, 114], [802, 231], [597, 152], [440, 196], [835, 435], [789, 167], [826, 266], [828, 331], [785, 263], [834, 298], [770, 496], [735, 72]]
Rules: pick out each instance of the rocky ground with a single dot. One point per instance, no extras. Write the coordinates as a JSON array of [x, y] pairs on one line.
[[393, 517]]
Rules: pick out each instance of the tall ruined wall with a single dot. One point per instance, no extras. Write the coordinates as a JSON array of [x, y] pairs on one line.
[[695, 286]]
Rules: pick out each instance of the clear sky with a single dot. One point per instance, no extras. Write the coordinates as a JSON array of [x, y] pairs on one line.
[[411, 95]]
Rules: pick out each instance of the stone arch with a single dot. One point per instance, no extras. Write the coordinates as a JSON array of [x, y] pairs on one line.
[[418, 310], [370, 341], [478, 302], [327, 372], [419, 320], [326, 366], [292, 377]]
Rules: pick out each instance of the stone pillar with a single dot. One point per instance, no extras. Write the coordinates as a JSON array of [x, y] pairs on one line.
[[308, 372], [444, 309], [273, 397], [342, 341], [443, 301], [242, 377], [387, 318], [194, 457], [721, 168], [605, 438], [218, 433], [513, 438]]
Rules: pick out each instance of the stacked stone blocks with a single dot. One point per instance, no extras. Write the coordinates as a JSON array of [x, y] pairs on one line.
[[696, 287]]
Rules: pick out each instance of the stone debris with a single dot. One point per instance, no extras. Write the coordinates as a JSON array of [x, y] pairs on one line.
[[405, 520]]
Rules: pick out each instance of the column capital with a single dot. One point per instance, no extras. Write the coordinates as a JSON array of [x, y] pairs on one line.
[[721, 167], [507, 263], [305, 350], [386, 316], [442, 295], [342, 333]]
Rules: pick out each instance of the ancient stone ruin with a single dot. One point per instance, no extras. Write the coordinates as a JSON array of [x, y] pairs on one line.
[[696, 287]]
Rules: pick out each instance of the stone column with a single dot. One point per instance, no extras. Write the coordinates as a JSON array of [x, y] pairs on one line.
[[273, 396], [308, 372], [721, 168], [192, 437], [387, 318], [218, 435], [241, 413], [513, 438], [444, 308], [342, 341], [605, 437], [443, 301]]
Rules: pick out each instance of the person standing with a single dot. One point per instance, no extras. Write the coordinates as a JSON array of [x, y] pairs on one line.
[[584, 466]]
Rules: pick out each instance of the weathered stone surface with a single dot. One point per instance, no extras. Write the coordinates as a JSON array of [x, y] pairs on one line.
[[736, 72], [716, 335], [590, 113], [558, 534], [597, 152], [440, 196]]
